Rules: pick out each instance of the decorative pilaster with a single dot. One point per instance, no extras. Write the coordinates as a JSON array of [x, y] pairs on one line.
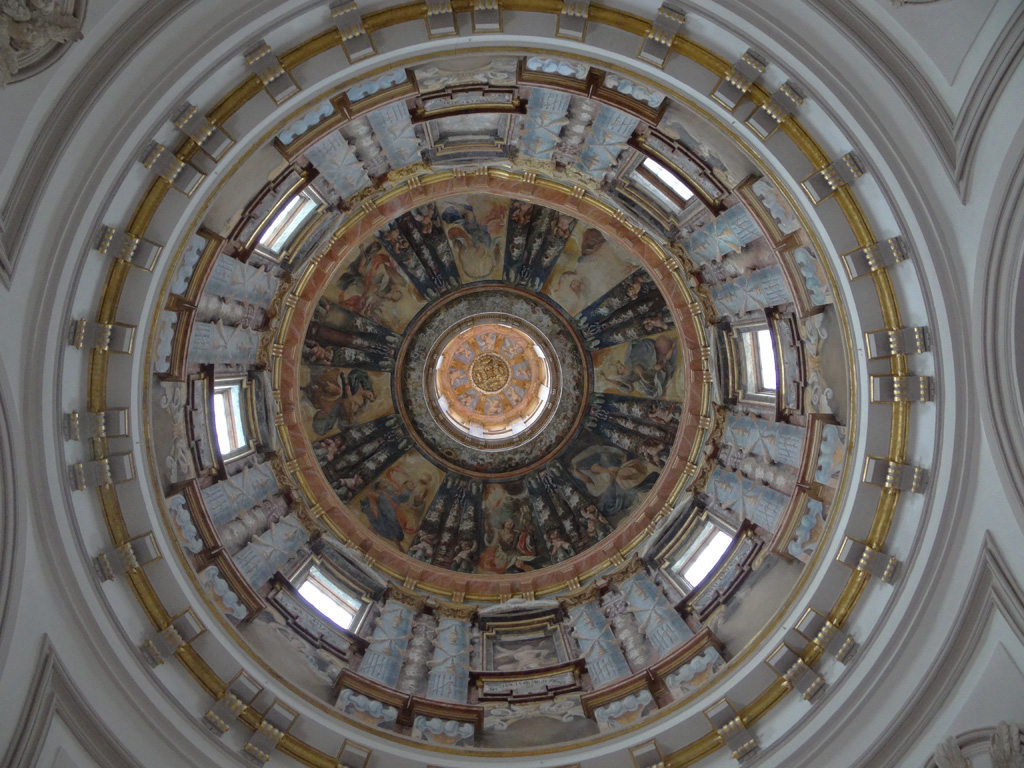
[[359, 133], [656, 618], [269, 552], [389, 642], [235, 494], [597, 642], [581, 115], [252, 522], [416, 658], [449, 668], [624, 624]]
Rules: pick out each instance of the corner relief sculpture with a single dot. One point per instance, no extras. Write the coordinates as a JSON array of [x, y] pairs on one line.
[[34, 33]]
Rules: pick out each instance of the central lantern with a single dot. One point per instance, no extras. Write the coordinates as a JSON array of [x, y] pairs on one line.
[[492, 381]]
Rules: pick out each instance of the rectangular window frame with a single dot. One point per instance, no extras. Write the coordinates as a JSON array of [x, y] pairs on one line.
[[712, 536], [288, 221], [239, 422], [754, 381], [670, 182], [348, 596]]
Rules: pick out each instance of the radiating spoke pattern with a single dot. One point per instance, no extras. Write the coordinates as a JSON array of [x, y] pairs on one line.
[[490, 385]]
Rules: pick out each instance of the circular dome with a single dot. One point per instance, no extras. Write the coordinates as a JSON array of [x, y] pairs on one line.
[[591, 530], [493, 387]]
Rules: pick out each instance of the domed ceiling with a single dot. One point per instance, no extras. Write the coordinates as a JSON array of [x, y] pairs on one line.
[[489, 386], [536, 368]]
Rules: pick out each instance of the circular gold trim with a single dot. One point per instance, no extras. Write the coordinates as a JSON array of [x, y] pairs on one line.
[[791, 127]]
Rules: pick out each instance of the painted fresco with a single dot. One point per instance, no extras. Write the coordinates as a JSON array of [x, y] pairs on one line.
[[632, 309], [393, 504], [590, 265], [340, 398], [647, 367], [342, 454], [386, 451], [423, 409], [371, 283], [644, 428], [417, 242], [475, 226], [560, 503], [510, 530], [449, 533], [536, 237], [440, 498], [615, 479]]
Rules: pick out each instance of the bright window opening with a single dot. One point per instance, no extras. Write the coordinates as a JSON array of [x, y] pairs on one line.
[[703, 555], [656, 193], [766, 360], [287, 222], [334, 603], [227, 418], [708, 558], [668, 178]]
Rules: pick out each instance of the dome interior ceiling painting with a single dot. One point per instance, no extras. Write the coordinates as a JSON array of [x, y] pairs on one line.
[[498, 353]]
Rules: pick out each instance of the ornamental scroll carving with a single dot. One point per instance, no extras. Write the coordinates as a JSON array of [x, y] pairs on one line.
[[33, 34], [1001, 744]]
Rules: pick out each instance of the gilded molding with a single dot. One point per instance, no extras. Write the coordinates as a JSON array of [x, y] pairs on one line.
[[791, 126]]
